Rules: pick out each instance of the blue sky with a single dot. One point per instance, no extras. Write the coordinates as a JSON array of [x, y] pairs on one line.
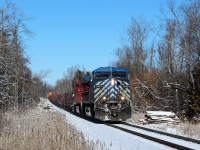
[[80, 32]]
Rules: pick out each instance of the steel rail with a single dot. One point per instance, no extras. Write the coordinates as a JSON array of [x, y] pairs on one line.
[[164, 133], [167, 143]]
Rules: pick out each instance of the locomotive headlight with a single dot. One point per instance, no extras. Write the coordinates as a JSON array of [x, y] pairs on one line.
[[122, 98], [112, 82], [104, 98]]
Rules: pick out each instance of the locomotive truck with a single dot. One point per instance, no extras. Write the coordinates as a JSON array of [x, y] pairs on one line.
[[104, 96]]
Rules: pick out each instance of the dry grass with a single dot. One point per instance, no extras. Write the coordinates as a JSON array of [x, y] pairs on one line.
[[185, 128], [190, 130], [39, 129], [136, 117], [1, 120]]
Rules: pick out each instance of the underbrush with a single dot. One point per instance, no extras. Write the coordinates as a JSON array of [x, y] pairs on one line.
[[136, 117], [191, 130], [39, 129]]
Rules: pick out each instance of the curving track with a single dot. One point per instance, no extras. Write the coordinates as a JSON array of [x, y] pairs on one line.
[[164, 133], [171, 140], [167, 139]]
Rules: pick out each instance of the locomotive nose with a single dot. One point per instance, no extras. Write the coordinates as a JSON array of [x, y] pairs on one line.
[[112, 82]]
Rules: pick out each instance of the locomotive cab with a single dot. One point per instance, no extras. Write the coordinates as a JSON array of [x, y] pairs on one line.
[[111, 94]]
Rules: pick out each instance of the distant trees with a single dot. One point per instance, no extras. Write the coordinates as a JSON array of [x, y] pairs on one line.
[[65, 85], [39, 87], [169, 82]]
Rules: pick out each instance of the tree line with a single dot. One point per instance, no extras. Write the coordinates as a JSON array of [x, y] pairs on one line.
[[165, 72], [165, 68], [18, 86]]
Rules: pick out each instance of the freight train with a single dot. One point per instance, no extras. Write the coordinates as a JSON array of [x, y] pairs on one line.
[[104, 96]]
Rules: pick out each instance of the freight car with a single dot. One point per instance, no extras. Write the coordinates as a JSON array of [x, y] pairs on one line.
[[105, 96]]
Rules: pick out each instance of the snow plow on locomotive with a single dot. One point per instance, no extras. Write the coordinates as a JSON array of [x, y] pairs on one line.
[[105, 96]]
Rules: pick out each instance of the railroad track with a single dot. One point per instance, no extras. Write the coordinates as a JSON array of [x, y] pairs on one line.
[[164, 133], [183, 143], [171, 140], [133, 129]]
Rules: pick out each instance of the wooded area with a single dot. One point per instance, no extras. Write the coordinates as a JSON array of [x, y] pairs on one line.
[[164, 68], [165, 75], [18, 86]]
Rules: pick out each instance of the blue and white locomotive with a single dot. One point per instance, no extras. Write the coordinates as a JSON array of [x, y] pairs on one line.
[[105, 97], [110, 93]]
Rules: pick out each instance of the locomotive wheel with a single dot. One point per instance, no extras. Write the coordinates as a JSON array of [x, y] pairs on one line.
[[92, 111], [80, 109], [83, 110], [74, 109]]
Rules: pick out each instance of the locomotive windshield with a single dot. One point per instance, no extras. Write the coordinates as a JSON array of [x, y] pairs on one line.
[[102, 75], [119, 75]]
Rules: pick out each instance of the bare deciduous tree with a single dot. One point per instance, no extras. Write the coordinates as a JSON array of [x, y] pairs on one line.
[[170, 83], [13, 63]]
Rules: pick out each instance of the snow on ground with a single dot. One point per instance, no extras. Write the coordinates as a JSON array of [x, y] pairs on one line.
[[179, 128], [166, 138], [107, 137], [160, 113], [182, 129]]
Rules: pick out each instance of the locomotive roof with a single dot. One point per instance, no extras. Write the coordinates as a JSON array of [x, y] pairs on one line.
[[110, 69]]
